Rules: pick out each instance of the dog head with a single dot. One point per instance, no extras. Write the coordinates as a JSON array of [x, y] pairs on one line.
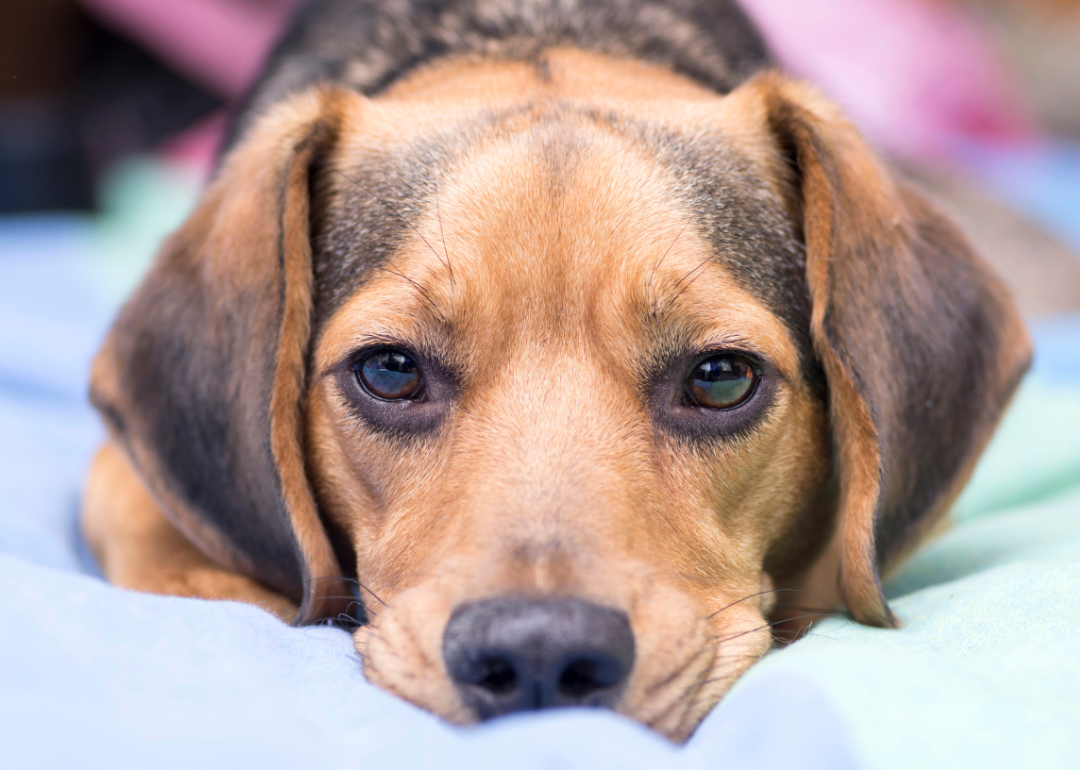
[[569, 365]]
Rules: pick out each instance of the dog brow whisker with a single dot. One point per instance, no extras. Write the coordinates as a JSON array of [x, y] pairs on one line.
[[656, 265], [682, 281], [419, 288], [686, 285], [398, 214], [442, 234]]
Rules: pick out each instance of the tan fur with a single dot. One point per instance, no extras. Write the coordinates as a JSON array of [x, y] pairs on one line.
[[137, 547], [287, 416], [859, 459], [547, 476]]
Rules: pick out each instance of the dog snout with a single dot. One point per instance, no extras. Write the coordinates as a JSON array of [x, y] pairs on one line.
[[516, 654]]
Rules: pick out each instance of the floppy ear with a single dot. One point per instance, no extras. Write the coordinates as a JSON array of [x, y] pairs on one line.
[[920, 343], [202, 376]]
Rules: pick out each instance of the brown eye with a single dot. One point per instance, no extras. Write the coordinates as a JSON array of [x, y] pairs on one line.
[[721, 382], [390, 375]]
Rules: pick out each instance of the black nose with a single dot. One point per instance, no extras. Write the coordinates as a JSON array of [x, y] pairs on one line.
[[515, 654]]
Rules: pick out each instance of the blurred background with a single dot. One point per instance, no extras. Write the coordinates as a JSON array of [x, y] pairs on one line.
[[114, 109]]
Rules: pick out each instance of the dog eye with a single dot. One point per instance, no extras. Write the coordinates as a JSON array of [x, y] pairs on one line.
[[721, 382], [390, 375]]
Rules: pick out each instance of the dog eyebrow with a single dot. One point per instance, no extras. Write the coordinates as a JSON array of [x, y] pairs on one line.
[[673, 343], [426, 340], [364, 211], [734, 209], [750, 232], [361, 222]]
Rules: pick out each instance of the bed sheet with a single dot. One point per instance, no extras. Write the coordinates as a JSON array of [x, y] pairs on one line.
[[985, 672]]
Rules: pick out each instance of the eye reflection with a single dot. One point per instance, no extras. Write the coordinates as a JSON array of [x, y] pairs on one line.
[[391, 375], [721, 382]]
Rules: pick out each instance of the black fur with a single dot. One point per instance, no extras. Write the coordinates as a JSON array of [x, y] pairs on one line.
[[369, 44], [923, 328], [939, 367], [196, 367], [201, 399]]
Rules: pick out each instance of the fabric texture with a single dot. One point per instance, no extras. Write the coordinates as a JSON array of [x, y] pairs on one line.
[[985, 672]]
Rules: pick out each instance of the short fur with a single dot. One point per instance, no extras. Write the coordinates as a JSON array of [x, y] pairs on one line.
[[556, 206]]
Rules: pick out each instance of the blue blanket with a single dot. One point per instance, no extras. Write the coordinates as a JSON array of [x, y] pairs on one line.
[[985, 672]]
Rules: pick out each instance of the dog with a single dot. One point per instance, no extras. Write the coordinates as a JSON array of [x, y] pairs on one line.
[[562, 335]]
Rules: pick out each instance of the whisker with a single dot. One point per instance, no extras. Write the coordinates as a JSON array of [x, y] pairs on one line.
[[354, 581], [343, 579], [746, 237], [419, 288], [355, 601], [677, 672], [835, 610], [682, 701], [685, 285], [740, 601], [722, 640], [442, 234], [723, 678], [656, 266], [347, 622], [395, 213], [697, 685]]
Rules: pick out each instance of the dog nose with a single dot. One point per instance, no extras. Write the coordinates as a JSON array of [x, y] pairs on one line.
[[516, 654]]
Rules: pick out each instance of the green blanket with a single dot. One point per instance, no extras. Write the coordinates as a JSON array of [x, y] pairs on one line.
[[986, 670]]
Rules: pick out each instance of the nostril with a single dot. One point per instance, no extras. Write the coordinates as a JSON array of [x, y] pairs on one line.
[[497, 676], [491, 681]]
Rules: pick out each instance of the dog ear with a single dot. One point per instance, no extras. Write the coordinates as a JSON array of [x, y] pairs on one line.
[[201, 379], [920, 343]]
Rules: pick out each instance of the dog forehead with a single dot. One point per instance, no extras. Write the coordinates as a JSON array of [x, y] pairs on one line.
[[534, 197]]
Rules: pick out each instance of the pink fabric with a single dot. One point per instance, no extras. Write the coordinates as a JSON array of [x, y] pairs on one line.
[[218, 44], [917, 76], [197, 147]]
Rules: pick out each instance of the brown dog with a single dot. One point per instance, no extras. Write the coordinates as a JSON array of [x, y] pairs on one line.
[[562, 332]]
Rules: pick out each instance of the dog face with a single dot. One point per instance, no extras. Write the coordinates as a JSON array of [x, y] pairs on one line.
[[545, 441], [573, 363]]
